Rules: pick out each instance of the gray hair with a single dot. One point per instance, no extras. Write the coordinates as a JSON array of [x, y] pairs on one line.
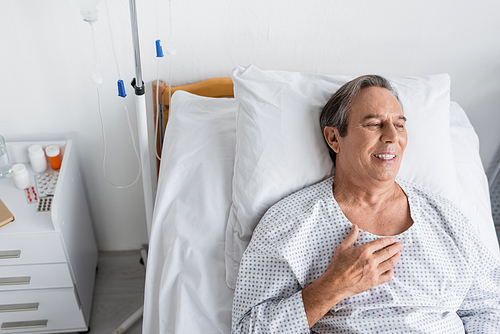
[[336, 110]]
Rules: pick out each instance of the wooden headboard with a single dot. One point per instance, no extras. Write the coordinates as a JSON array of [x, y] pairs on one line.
[[216, 87]]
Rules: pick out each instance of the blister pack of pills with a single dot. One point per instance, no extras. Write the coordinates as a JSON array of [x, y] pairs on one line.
[[44, 204], [31, 195], [46, 184]]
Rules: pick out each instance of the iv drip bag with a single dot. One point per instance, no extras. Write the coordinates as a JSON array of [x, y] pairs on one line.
[[87, 9]]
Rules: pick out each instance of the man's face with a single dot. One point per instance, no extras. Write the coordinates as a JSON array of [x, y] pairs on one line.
[[376, 137]]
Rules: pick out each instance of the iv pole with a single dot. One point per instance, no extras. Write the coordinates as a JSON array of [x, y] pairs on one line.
[[89, 14], [142, 126], [142, 121]]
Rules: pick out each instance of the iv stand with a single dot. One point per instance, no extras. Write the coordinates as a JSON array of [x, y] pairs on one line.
[[142, 121], [142, 125]]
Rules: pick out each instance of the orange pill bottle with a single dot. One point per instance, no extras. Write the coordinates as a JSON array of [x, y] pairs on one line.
[[54, 154]]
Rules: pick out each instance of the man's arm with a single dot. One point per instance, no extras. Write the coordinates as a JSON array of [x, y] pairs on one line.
[[268, 297], [480, 311]]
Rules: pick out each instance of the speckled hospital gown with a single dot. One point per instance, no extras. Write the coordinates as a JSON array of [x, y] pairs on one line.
[[445, 282]]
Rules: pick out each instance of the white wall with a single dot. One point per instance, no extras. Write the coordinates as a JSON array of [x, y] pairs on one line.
[[46, 57]]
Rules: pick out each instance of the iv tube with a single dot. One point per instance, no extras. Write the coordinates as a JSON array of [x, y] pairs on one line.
[[102, 122]]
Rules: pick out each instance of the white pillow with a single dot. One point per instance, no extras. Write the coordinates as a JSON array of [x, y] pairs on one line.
[[280, 146], [474, 195]]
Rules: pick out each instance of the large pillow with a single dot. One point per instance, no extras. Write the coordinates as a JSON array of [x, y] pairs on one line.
[[474, 199], [280, 147]]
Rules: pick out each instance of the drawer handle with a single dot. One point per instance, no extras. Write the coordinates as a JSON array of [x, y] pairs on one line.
[[24, 324], [19, 307], [14, 280], [10, 254]]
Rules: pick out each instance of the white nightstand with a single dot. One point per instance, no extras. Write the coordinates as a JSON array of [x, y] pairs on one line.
[[47, 259]]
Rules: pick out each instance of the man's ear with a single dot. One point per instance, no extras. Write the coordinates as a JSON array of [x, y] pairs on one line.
[[331, 136]]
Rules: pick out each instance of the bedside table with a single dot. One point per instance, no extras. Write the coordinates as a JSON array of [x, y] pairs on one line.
[[47, 258]]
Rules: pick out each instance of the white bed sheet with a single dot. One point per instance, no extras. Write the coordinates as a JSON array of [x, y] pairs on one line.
[[186, 291]]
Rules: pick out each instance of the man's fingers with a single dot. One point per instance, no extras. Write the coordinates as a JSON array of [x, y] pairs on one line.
[[388, 252], [386, 276], [389, 263], [379, 244]]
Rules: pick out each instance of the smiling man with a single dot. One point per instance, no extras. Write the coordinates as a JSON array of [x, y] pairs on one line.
[[363, 251]]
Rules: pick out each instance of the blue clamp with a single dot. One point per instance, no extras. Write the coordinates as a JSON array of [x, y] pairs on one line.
[[121, 88], [159, 50]]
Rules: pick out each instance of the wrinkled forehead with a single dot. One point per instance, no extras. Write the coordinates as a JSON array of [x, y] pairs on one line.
[[375, 101]]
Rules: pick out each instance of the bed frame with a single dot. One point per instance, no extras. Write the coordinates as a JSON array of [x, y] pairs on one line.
[[215, 87]]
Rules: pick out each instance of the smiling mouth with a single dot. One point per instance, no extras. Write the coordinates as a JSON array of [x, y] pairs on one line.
[[385, 156]]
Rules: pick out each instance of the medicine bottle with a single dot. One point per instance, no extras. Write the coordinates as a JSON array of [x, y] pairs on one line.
[[54, 155], [21, 176], [37, 158]]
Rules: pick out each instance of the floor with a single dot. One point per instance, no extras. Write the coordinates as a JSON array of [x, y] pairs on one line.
[[118, 292]]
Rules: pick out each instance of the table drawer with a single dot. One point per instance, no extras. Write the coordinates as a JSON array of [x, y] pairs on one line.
[[32, 249], [49, 310], [39, 276], [42, 322], [21, 305]]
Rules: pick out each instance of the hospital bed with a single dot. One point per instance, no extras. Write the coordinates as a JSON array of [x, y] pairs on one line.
[[225, 161]]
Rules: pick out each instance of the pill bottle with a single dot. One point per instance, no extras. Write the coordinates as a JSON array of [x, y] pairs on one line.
[[21, 176], [54, 155], [37, 158]]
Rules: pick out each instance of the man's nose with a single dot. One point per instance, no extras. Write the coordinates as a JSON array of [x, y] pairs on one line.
[[389, 134]]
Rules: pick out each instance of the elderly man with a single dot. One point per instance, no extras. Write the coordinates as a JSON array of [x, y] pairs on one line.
[[363, 251]]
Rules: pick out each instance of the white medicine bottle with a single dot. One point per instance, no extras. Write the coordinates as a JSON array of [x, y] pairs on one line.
[[21, 176], [37, 158]]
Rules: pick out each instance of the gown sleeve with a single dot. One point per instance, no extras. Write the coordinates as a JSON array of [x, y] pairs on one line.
[[268, 297], [480, 309]]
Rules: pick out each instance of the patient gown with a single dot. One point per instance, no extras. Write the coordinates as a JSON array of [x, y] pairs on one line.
[[447, 281]]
